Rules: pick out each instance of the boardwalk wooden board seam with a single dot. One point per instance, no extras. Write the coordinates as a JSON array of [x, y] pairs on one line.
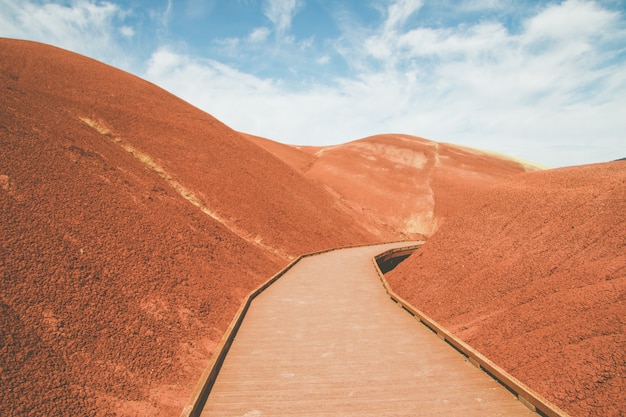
[[524, 394], [208, 377]]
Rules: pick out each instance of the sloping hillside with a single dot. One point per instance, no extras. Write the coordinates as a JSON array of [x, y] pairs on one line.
[[131, 226], [404, 183], [532, 273]]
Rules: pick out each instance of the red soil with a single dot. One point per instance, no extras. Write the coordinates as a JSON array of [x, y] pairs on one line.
[[532, 274], [400, 182], [116, 283]]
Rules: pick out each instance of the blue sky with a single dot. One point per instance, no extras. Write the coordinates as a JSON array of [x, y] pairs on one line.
[[540, 80]]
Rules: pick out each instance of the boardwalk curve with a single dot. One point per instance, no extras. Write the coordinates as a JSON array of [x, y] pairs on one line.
[[326, 340]]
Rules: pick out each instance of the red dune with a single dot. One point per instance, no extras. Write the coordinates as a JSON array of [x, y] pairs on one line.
[[132, 225], [532, 273]]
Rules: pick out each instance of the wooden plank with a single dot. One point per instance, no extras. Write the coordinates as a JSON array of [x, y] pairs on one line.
[[326, 340], [531, 399]]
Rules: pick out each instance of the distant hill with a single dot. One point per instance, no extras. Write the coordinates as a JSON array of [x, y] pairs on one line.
[[406, 183], [533, 274]]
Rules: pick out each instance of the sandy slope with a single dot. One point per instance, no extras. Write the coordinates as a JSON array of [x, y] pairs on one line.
[[533, 275], [132, 224]]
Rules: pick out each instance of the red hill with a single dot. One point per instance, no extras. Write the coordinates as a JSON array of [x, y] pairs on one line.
[[132, 225], [532, 273]]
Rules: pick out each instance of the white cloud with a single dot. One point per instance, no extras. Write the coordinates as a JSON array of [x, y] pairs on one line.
[[323, 60], [399, 11], [164, 17], [259, 35], [306, 43], [173, 70], [82, 26], [263, 106], [127, 31], [455, 43], [569, 21], [280, 13], [230, 44]]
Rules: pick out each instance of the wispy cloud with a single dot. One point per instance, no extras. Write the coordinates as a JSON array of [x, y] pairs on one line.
[[399, 11], [477, 5], [259, 35], [94, 29], [281, 13], [572, 21], [324, 59], [127, 31], [196, 9], [164, 16]]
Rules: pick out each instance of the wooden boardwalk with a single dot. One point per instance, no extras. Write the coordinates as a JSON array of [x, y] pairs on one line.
[[326, 340]]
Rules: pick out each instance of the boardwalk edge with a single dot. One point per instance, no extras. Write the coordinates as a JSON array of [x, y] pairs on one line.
[[531, 399], [203, 388], [201, 393]]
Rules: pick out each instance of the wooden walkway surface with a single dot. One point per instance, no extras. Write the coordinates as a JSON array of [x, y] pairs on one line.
[[326, 340]]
